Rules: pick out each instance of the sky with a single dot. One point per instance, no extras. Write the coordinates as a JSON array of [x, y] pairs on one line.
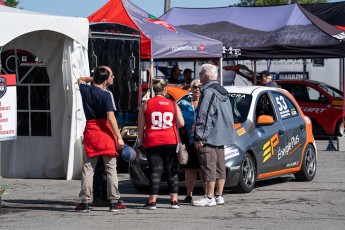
[[84, 8]]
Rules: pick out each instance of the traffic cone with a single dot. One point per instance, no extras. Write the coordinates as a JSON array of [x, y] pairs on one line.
[[330, 146]]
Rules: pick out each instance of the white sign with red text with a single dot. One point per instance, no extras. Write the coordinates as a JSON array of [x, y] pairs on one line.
[[8, 107]]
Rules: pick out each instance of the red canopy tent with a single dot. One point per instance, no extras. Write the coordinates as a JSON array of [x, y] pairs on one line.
[[2, 3], [159, 39]]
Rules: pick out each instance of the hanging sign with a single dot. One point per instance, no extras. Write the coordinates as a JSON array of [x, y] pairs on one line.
[[8, 107]]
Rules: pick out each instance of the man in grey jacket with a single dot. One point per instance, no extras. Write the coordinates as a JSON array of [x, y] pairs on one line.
[[214, 128]]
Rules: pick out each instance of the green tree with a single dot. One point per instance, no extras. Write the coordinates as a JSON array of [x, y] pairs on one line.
[[11, 3], [275, 2]]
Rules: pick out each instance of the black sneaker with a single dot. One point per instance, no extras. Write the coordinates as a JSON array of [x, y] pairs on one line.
[[99, 202], [175, 204], [150, 205], [188, 200], [82, 207], [114, 207]]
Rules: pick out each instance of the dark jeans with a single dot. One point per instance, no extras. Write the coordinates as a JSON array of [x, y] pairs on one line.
[[100, 181]]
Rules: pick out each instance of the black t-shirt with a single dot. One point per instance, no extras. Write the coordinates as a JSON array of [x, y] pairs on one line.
[[96, 102]]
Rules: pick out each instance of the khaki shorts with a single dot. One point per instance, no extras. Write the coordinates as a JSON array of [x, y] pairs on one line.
[[212, 162]]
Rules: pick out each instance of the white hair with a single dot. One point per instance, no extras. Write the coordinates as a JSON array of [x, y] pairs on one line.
[[195, 81], [210, 70]]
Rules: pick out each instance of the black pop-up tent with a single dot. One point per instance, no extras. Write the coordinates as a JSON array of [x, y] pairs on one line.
[[332, 13], [274, 32]]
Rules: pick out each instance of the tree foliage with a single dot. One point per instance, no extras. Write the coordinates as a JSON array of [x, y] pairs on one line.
[[275, 2], [11, 3]]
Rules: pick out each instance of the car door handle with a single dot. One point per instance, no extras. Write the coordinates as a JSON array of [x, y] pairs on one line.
[[280, 132], [302, 127]]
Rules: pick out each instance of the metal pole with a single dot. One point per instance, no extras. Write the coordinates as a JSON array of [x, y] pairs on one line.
[[166, 5]]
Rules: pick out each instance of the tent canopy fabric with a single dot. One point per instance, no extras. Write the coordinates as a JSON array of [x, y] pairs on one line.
[[160, 40], [274, 32], [22, 22], [332, 12], [61, 43]]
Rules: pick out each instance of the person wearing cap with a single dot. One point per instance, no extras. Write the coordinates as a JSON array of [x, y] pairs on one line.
[[267, 80], [175, 73], [187, 74], [101, 136]]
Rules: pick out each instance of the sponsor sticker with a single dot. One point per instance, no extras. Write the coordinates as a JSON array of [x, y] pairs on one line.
[[231, 153], [241, 131]]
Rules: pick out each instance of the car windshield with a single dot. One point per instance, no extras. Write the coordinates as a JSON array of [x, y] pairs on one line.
[[336, 93], [240, 106]]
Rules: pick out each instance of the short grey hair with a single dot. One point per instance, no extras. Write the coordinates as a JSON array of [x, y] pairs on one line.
[[210, 70]]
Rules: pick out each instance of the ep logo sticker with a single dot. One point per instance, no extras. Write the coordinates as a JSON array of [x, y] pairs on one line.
[[268, 147]]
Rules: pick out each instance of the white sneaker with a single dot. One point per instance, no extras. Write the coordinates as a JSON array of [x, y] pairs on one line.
[[220, 200], [205, 201]]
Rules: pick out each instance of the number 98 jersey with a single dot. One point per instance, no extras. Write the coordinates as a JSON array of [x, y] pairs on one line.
[[160, 122]]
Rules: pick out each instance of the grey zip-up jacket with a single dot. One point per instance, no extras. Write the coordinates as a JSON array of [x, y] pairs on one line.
[[214, 122]]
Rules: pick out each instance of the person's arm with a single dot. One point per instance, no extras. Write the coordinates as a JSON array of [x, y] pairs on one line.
[[84, 80], [180, 120], [114, 126], [141, 123], [200, 124]]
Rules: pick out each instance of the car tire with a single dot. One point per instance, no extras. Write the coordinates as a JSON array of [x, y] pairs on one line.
[[339, 129], [308, 169], [247, 176]]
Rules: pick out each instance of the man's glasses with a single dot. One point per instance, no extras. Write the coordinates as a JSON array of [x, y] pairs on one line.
[[195, 87]]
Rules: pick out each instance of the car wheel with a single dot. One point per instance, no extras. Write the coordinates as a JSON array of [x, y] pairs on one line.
[[246, 180], [339, 129], [308, 169]]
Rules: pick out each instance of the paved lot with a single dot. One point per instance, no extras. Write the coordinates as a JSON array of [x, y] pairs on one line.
[[280, 203]]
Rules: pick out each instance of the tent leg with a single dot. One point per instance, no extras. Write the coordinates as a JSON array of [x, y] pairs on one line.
[[221, 70], [330, 146]]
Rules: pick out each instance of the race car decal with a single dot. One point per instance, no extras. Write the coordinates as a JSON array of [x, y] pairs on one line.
[[292, 164], [313, 110], [290, 148], [230, 153], [339, 103], [268, 147], [282, 106], [241, 131]]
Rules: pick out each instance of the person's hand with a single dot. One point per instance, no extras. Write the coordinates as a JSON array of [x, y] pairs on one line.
[[121, 143], [198, 144]]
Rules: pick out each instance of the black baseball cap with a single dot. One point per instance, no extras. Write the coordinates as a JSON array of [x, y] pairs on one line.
[[265, 73], [188, 70]]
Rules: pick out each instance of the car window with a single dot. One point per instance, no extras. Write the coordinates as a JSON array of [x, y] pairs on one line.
[[304, 93], [240, 106], [264, 106], [285, 107], [332, 91]]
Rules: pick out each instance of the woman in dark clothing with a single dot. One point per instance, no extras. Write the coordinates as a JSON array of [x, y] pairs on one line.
[[157, 134], [188, 107]]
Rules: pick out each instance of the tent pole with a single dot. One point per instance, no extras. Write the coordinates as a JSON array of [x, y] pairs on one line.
[[254, 73], [304, 69], [0, 141], [151, 76], [342, 72], [221, 70]]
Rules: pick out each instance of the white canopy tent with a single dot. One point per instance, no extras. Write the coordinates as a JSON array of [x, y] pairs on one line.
[[61, 43]]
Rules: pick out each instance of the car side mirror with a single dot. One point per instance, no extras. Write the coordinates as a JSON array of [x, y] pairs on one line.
[[265, 120]]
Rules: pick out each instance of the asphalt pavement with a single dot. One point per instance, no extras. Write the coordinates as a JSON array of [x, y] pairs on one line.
[[280, 203]]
